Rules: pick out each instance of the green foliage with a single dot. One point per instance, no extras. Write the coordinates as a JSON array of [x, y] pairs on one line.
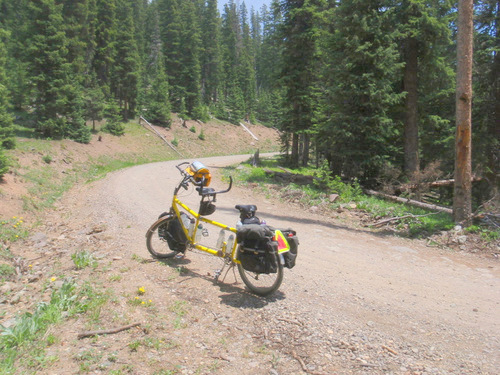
[[201, 113], [4, 163], [83, 259], [201, 136], [175, 142], [13, 229], [192, 129], [114, 124], [333, 184], [6, 271], [58, 104], [65, 301]]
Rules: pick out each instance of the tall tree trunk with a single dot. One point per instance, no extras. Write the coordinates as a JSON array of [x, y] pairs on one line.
[[463, 169], [305, 150], [294, 158], [411, 111], [494, 153]]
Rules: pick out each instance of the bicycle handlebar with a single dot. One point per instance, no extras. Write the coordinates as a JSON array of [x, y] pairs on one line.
[[201, 183]]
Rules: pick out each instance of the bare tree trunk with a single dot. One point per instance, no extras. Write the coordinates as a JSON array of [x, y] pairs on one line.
[[411, 112], [305, 149], [294, 158], [494, 153], [462, 197]]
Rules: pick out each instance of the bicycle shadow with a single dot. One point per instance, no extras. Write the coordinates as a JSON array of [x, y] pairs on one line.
[[234, 294]]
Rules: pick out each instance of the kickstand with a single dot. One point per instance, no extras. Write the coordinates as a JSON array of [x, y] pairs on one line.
[[231, 266], [217, 273]]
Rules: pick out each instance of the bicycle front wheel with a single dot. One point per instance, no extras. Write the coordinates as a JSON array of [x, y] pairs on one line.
[[156, 240], [262, 284]]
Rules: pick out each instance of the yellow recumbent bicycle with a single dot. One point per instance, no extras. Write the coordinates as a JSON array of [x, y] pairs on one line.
[[182, 228]]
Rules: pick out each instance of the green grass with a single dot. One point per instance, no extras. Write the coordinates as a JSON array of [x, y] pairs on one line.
[[13, 229], [83, 259], [317, 194], [22, 341]]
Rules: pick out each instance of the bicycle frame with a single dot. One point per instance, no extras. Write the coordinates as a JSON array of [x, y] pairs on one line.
[[222, 253]]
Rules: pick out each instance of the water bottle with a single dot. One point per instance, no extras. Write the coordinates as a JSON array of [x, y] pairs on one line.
[[185, 220], [220, 240], [230, 243], [192, 223], [198, 232]]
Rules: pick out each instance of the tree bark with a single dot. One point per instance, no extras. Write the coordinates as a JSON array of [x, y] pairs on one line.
[[294, 158], [462, 210], [305, 149], [411, 107]]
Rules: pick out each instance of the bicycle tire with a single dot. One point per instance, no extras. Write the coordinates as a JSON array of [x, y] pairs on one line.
[[156, 244], [261, 284]]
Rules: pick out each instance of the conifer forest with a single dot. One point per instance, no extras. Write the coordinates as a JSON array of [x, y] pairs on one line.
[[364, 88]]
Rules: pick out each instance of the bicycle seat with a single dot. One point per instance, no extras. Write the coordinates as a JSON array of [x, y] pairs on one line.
[[205, 190], [246, 210]]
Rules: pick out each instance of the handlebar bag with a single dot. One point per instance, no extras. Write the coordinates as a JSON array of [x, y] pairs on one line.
[[199, 172]]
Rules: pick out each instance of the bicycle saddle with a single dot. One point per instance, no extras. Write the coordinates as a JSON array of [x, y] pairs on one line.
[[246, 210]]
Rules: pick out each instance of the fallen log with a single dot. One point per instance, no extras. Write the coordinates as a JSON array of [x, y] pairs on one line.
[[106, 331], [411, 202], [439, 183]]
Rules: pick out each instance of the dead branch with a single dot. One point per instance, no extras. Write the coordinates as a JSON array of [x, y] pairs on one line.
[[290, 321], [385, 221], [303, 365], [106, 331], [410, 202], [392, 351]]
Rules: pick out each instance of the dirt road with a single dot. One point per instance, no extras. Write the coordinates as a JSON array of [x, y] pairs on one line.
[[356, 302]]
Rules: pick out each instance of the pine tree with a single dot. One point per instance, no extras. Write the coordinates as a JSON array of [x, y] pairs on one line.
[[105, 34], [210, 56], [189, 57], [170, 28], [79, 19], [246, 65], [231, 51], [268, 67], [156, 104], [6, 121], [16, 21], [300, 26], [58, 104], [425, 40], [126, 68], [486, 108], [358, 133]]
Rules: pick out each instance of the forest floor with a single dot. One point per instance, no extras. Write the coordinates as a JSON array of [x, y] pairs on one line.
[[358, 301]]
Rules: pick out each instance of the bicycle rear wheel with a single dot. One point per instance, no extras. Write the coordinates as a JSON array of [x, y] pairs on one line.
[[262, 284], [156, 241]]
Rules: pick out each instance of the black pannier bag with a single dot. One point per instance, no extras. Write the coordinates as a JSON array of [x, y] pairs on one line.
[[258, 253], [293, 241], [172, 232]]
